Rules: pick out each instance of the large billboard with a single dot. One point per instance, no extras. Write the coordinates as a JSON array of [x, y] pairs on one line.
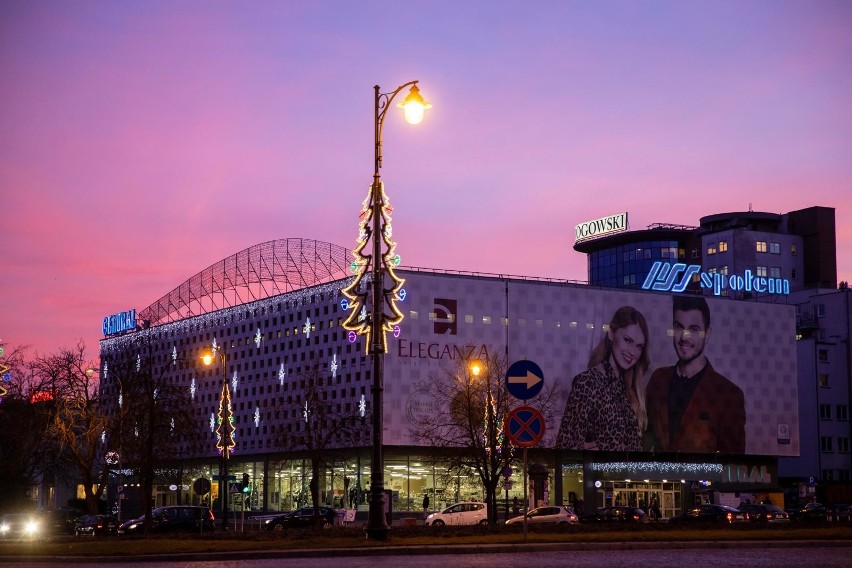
[[726, 385]]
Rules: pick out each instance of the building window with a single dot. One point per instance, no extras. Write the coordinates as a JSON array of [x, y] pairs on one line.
[[827, 475], [723, 246], [792, 250], [843, 445], [761, 271], [711, 249], [819, 310], [774, 272], [723, 270], [761, 246], [793, 274], [825, 412], [774, 248], [825, 444], [822, 355], [823, 380], [842, 412]]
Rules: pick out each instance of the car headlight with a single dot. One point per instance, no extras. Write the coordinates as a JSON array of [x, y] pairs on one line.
[[31, 527], [4, 528]]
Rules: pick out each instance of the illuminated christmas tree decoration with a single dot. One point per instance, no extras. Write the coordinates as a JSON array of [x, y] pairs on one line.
[[359, 319], [225, 424]]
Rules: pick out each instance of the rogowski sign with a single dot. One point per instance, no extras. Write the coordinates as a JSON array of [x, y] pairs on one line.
[[600, 227]]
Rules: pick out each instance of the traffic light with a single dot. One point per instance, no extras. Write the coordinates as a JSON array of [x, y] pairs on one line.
[[246, 484]]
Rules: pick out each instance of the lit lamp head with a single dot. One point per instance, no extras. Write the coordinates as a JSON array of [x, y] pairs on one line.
[[475, 368], [207, 359], [414, 106]]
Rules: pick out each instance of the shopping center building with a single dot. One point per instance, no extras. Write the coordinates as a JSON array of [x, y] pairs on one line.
[[276, 311]]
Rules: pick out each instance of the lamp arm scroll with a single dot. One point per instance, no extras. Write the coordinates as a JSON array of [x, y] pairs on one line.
[[383, 102]]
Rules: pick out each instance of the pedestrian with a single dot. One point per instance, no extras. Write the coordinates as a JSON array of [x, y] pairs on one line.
[[655, 508], [516, 507], [425, 505]]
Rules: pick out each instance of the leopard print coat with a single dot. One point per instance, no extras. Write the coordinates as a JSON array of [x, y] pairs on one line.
[[598, 414]]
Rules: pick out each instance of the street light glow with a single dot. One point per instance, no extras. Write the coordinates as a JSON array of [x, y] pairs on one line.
[[414, 106]]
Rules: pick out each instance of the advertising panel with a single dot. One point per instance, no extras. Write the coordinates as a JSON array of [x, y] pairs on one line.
[[726, 385]]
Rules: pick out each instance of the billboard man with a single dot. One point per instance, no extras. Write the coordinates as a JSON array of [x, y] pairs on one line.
[[691, 407]]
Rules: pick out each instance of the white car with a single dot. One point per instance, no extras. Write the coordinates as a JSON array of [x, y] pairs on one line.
[[548, 514], [466, 513]]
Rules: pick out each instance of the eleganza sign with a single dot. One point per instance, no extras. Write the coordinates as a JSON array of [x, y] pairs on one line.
[[600, 227]]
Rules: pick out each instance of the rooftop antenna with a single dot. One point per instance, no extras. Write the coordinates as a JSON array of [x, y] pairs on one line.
[[749, 208]]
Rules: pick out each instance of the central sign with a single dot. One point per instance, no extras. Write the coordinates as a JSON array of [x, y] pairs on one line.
[[525, 426]]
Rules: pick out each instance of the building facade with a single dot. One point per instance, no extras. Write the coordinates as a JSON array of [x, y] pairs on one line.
[[275, 312]]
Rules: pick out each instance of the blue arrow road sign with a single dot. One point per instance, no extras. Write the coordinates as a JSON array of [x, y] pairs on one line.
[[525, 426], [524, 379]]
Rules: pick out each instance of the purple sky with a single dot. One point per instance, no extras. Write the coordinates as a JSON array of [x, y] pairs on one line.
[[141, 142]]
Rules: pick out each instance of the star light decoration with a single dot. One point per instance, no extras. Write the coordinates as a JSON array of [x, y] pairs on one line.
[[359, 319]]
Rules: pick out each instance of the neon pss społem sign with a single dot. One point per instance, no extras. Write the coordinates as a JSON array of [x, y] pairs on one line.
[[668, 277]]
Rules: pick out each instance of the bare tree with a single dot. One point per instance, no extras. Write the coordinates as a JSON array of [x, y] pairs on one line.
[[322, 423], [77, 421], [26, 453], [471, 404], [151, 412]]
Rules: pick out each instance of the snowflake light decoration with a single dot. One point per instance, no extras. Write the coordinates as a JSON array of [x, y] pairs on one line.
[[306, 412], [333, 366], [256, 417], [307, 328], [235, 381], [174, 355], [192, 388], [281, 375], [257, 338], [362, 406]]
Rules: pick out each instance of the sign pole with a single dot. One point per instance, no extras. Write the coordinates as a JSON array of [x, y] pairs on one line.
[[526, 495]]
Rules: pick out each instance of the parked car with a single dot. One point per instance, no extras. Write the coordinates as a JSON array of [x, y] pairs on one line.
[[839, 512], [96, 525], [175, 518], [765, 513], [616, 514], [711, 513], [61, 521], [465, 513], [810, 513], [542, 515], [303, 517], [20, 526]]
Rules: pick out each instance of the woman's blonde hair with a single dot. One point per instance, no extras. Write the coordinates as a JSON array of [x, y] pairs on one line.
[[634, 377]]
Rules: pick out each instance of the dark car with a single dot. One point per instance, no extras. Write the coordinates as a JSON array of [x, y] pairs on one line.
[[810, 513], [710, 514], [95, 525], [21, 526], [173, 518], [617, 514], [765, 513], [303, 517], [61, 521]]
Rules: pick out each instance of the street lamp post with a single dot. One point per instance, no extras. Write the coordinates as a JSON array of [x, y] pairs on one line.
[[225, 428], [376, 225]]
